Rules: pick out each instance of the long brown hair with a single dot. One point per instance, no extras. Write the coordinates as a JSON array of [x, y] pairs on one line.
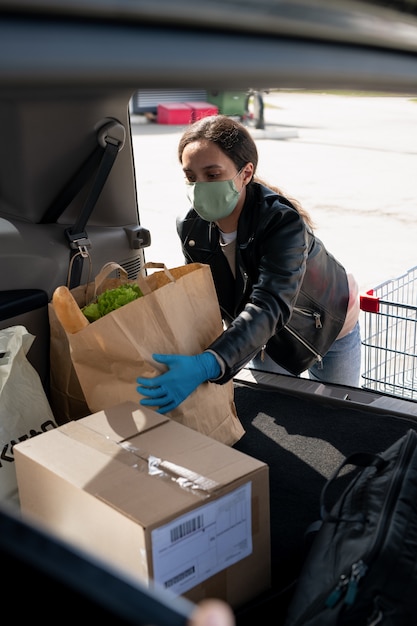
[[237, 143]]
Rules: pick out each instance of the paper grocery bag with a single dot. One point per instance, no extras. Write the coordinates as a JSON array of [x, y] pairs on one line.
[[179, 314]]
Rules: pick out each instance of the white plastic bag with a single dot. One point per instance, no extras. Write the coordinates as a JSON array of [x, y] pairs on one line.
[[24, 407]]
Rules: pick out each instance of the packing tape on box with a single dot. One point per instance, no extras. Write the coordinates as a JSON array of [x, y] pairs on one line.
[[127, 453], [184, 477]]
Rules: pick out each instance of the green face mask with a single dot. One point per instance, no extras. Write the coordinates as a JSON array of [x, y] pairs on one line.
[[213, 200]]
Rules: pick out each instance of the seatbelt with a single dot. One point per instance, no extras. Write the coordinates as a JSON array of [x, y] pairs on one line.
[[111, 138]]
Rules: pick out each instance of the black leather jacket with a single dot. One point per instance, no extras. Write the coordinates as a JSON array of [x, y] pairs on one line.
[[290, 295]]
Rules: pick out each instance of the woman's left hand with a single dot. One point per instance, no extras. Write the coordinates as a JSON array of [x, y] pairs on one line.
[[184, 375]]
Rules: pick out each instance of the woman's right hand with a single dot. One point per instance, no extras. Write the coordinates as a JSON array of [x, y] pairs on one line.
[[212, 612]]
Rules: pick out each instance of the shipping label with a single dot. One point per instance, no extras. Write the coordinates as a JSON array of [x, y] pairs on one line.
[[197, 545]]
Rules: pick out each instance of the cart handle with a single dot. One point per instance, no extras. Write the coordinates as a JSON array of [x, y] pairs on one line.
[[369, 302]]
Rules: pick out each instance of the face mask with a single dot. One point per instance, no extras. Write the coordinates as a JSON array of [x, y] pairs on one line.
[[213, 200]]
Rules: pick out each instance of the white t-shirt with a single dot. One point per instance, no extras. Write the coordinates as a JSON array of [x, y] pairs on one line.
[[228, 246]]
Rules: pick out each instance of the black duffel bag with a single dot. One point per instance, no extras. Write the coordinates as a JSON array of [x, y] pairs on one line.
[[361, 568]]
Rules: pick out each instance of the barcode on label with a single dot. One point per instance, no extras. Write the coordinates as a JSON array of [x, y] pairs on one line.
[[187, 528], [179, 577]]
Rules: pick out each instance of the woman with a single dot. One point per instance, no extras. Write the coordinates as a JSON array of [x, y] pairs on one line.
[[282, 295]]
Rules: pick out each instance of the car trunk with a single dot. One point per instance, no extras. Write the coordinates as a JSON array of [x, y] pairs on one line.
[[304, 430], [64, 77]]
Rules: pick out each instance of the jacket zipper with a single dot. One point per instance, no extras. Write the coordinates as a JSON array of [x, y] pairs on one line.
[[308, 313], [347, 584], [317, 356], [317, 320]]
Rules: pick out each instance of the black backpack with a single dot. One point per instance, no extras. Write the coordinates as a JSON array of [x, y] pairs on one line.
[[361, 568]]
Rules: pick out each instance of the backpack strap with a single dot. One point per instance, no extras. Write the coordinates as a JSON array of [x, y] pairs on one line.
[[359, 460]]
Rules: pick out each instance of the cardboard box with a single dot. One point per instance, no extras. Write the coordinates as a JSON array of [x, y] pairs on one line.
[[173, 113], [154, 498], [201, 109]]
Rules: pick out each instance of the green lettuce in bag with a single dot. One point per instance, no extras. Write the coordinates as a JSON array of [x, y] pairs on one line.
[[110, 300]]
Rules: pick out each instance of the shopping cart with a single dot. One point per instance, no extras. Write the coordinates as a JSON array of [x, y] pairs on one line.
[[390, 337]]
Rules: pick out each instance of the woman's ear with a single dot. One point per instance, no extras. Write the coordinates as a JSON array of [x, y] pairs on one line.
[[247, 173]]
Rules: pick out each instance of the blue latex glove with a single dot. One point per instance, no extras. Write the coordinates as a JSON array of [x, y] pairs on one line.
[[184, 375]]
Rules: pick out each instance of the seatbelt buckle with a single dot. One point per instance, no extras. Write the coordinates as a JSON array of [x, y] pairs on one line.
[[79, 242]]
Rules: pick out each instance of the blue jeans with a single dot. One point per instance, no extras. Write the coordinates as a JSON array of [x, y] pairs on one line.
[[341, 364]]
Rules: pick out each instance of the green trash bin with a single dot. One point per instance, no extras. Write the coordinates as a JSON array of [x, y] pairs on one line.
[[228, 102]]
